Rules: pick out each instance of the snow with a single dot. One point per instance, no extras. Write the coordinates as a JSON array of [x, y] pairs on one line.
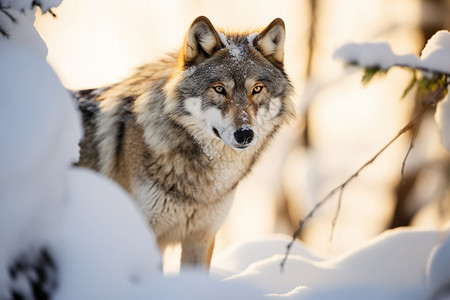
[[236, 50], [223, 38], [240, 255], [393, 265], [27, 4], [251, 37], [436, 54], [102, 246], [38, 141], [438, 270], [194, 285], [435, 58], [111, 253], [374, 54], [442, 117], [84, 220]]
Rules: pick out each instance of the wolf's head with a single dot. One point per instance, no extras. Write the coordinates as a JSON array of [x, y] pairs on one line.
[[230, 86]]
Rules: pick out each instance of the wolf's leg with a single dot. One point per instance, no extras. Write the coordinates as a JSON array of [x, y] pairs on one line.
[[197, 249]]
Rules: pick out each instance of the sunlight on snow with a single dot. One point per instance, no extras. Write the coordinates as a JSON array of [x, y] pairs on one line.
[[349, 123]]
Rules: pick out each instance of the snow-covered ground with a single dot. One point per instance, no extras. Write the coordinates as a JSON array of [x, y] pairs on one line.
[[100, 244]]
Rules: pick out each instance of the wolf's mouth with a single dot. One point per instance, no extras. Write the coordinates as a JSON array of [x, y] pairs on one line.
[[216, 132]]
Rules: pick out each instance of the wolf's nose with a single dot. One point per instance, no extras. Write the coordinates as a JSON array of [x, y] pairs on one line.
[[244, 136]]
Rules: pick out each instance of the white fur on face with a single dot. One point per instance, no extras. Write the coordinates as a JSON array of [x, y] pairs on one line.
[[212, 119], [224, 126], [194, 106]]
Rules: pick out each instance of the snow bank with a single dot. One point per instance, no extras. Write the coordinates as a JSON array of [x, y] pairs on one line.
[[390, 266], [97, 239], [438, 270], [102, 246], [195, 285], [240, 255], [39, 132]]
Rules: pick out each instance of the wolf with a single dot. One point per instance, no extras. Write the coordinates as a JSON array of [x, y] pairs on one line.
[[181, 133]]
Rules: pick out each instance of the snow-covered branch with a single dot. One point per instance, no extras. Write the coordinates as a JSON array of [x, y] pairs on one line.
[[434, 64], [435, 57]]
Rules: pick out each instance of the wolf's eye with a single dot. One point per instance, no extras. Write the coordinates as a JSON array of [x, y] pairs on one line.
[[219, 89], [257, 89]]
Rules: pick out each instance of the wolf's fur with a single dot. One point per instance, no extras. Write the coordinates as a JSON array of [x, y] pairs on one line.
[[181, 133]]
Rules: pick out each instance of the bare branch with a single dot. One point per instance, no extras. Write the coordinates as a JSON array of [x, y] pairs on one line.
[[338, 210], [415, 131], [413, 126]]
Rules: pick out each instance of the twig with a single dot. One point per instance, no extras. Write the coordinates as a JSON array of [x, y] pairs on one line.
[[413, 125], [415, 131], [340, 187], [338, 210]]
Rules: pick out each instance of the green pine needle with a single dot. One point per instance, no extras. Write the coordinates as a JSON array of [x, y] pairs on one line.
[[370, 73], [410, 85]]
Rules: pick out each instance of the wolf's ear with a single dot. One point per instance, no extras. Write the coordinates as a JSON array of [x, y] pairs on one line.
[[201, 42], [271, 42]]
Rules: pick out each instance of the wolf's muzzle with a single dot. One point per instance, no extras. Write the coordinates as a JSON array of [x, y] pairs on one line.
[[244, 136]]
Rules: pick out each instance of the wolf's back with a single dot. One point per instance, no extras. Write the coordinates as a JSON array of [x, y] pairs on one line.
[[89, 108]]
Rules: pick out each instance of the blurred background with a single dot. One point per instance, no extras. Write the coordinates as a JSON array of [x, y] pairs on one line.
[[340, 123]]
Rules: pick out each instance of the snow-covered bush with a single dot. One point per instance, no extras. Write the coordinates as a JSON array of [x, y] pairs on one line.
[[61, 230]]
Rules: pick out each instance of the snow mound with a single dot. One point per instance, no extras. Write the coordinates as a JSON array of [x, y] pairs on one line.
[[103, 247], [39, 133], [100, 244], [194, 285], [391, 266], [438, 270], [83, 231], [240, 255]]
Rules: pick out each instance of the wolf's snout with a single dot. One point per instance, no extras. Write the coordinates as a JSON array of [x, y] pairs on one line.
[[244, 136]]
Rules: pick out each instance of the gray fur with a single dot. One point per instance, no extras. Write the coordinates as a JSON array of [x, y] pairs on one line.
[[143, 133]]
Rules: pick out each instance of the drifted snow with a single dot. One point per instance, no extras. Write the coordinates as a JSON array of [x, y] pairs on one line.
[[39, 132], [98, 240], [103, 248]]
